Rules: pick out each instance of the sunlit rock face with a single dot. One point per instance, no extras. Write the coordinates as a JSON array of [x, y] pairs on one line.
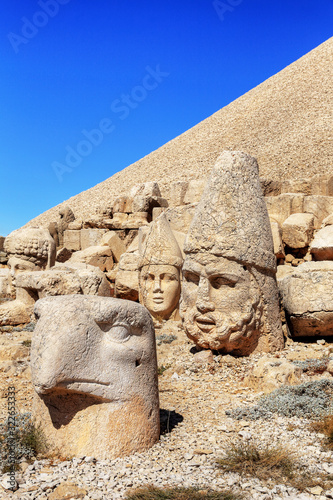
[[160, 270], [94, 369], [229, 299]]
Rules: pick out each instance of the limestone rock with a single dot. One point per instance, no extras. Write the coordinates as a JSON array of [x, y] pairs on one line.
[[145, 189], [147, 203], [72, 240], [280, 207], [94, 368], [127, 280], [14, 313], [99, 256], [229, 298], [270, 373], [322, 244], [117, 246], [67, 491], [180, 218], [319, 206], [296, 186], [277, 240], [177, 193], [91, 237], [297, 230], [308, 300], [203, 357], [194, 191], [283, 271], [123, 205]]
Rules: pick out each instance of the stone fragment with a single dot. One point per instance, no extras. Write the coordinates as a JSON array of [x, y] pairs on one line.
[[280, 207], [229, 298], [123, 205], [160, 270], [322, 245], [308, 300], [91, 237], [117, 246], [277, 240], [297, 230], [94, 369], [319, 206], [194, 191], [180, 218], [72, 240], [63, 254], [203, 357], [67, 491], [270, 373], [14, 313], [99, 256], [145, 189]]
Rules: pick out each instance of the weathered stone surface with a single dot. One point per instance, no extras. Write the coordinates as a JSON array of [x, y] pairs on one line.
[[123, 205], [29, 249], [308, 300], [180, 218], [277, 240], [63, 254], [194, 191], [127, 279], [145, 189], [67, 491], [91, 237], [328, 221], [322, 244], [269, 187], [160, 265], [112, 240], [297, 230], [270, 373], [99, 256], [319, 206], [5, 288], [229, 298], [283, 271], [75, 225], [322, 184], [147, 203], [280, 207], [177, 193], [296, 186], [135, 220], [72, 239], [14, 313], [94, 369]]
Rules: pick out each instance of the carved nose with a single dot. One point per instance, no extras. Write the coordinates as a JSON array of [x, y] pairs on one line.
[[203, 302], [157, 285]]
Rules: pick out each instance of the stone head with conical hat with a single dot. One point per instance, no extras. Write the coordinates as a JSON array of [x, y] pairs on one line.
[[229, 298], [160, 270]]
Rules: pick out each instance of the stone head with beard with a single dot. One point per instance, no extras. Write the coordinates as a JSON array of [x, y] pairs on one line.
[[229, 300]]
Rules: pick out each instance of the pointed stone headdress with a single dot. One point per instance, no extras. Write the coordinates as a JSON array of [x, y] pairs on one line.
[[160, 246], [231, 219]]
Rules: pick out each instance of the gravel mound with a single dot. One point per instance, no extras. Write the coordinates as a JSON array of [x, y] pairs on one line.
[[285, 122], [308, 400]]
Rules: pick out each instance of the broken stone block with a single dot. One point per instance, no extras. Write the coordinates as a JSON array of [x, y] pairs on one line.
[[308, 300], [280, 207], [277, 240], [322, 245], [98, 256], [112, 240], [297, 230], [91, 237], [319, 206], [194, 191], [72, 240]]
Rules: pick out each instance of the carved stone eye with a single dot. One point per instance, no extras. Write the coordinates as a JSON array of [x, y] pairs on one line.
[[115, 333]]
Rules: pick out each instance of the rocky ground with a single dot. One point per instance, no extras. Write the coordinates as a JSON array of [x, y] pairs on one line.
[[194, 396]]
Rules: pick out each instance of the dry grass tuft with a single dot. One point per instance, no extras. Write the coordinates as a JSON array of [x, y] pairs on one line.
[[269, 462], [154, 493], [324, 426]]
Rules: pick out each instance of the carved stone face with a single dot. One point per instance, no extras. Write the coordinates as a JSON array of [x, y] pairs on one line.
[[98, 346], [17, 265], [160, 289], [220, 302]]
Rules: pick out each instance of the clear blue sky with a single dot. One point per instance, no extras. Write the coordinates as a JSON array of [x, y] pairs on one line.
[[142, 72]]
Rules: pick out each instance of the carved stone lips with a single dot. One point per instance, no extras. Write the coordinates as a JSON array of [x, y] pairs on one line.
[[205, 323]]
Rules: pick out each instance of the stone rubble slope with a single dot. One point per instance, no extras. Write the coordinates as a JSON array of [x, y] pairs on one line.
[[285, 122]]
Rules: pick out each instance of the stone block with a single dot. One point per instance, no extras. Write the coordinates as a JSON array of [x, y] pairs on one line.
[[322, 245], [145, 189], [296, 186], [280, 207], [129, 261], [91, 237], [297, 230], [308, 300], [127, 285], [322, 184], [177, 193], [147, 203], [98, 256], [72, 239], [123, 205], [112, 240], [194, 191], [319, 206], [180, 218], [277, 240], [76, 224], [136, 220]]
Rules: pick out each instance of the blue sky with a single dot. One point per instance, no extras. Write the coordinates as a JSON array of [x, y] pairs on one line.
[[89, 87]]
